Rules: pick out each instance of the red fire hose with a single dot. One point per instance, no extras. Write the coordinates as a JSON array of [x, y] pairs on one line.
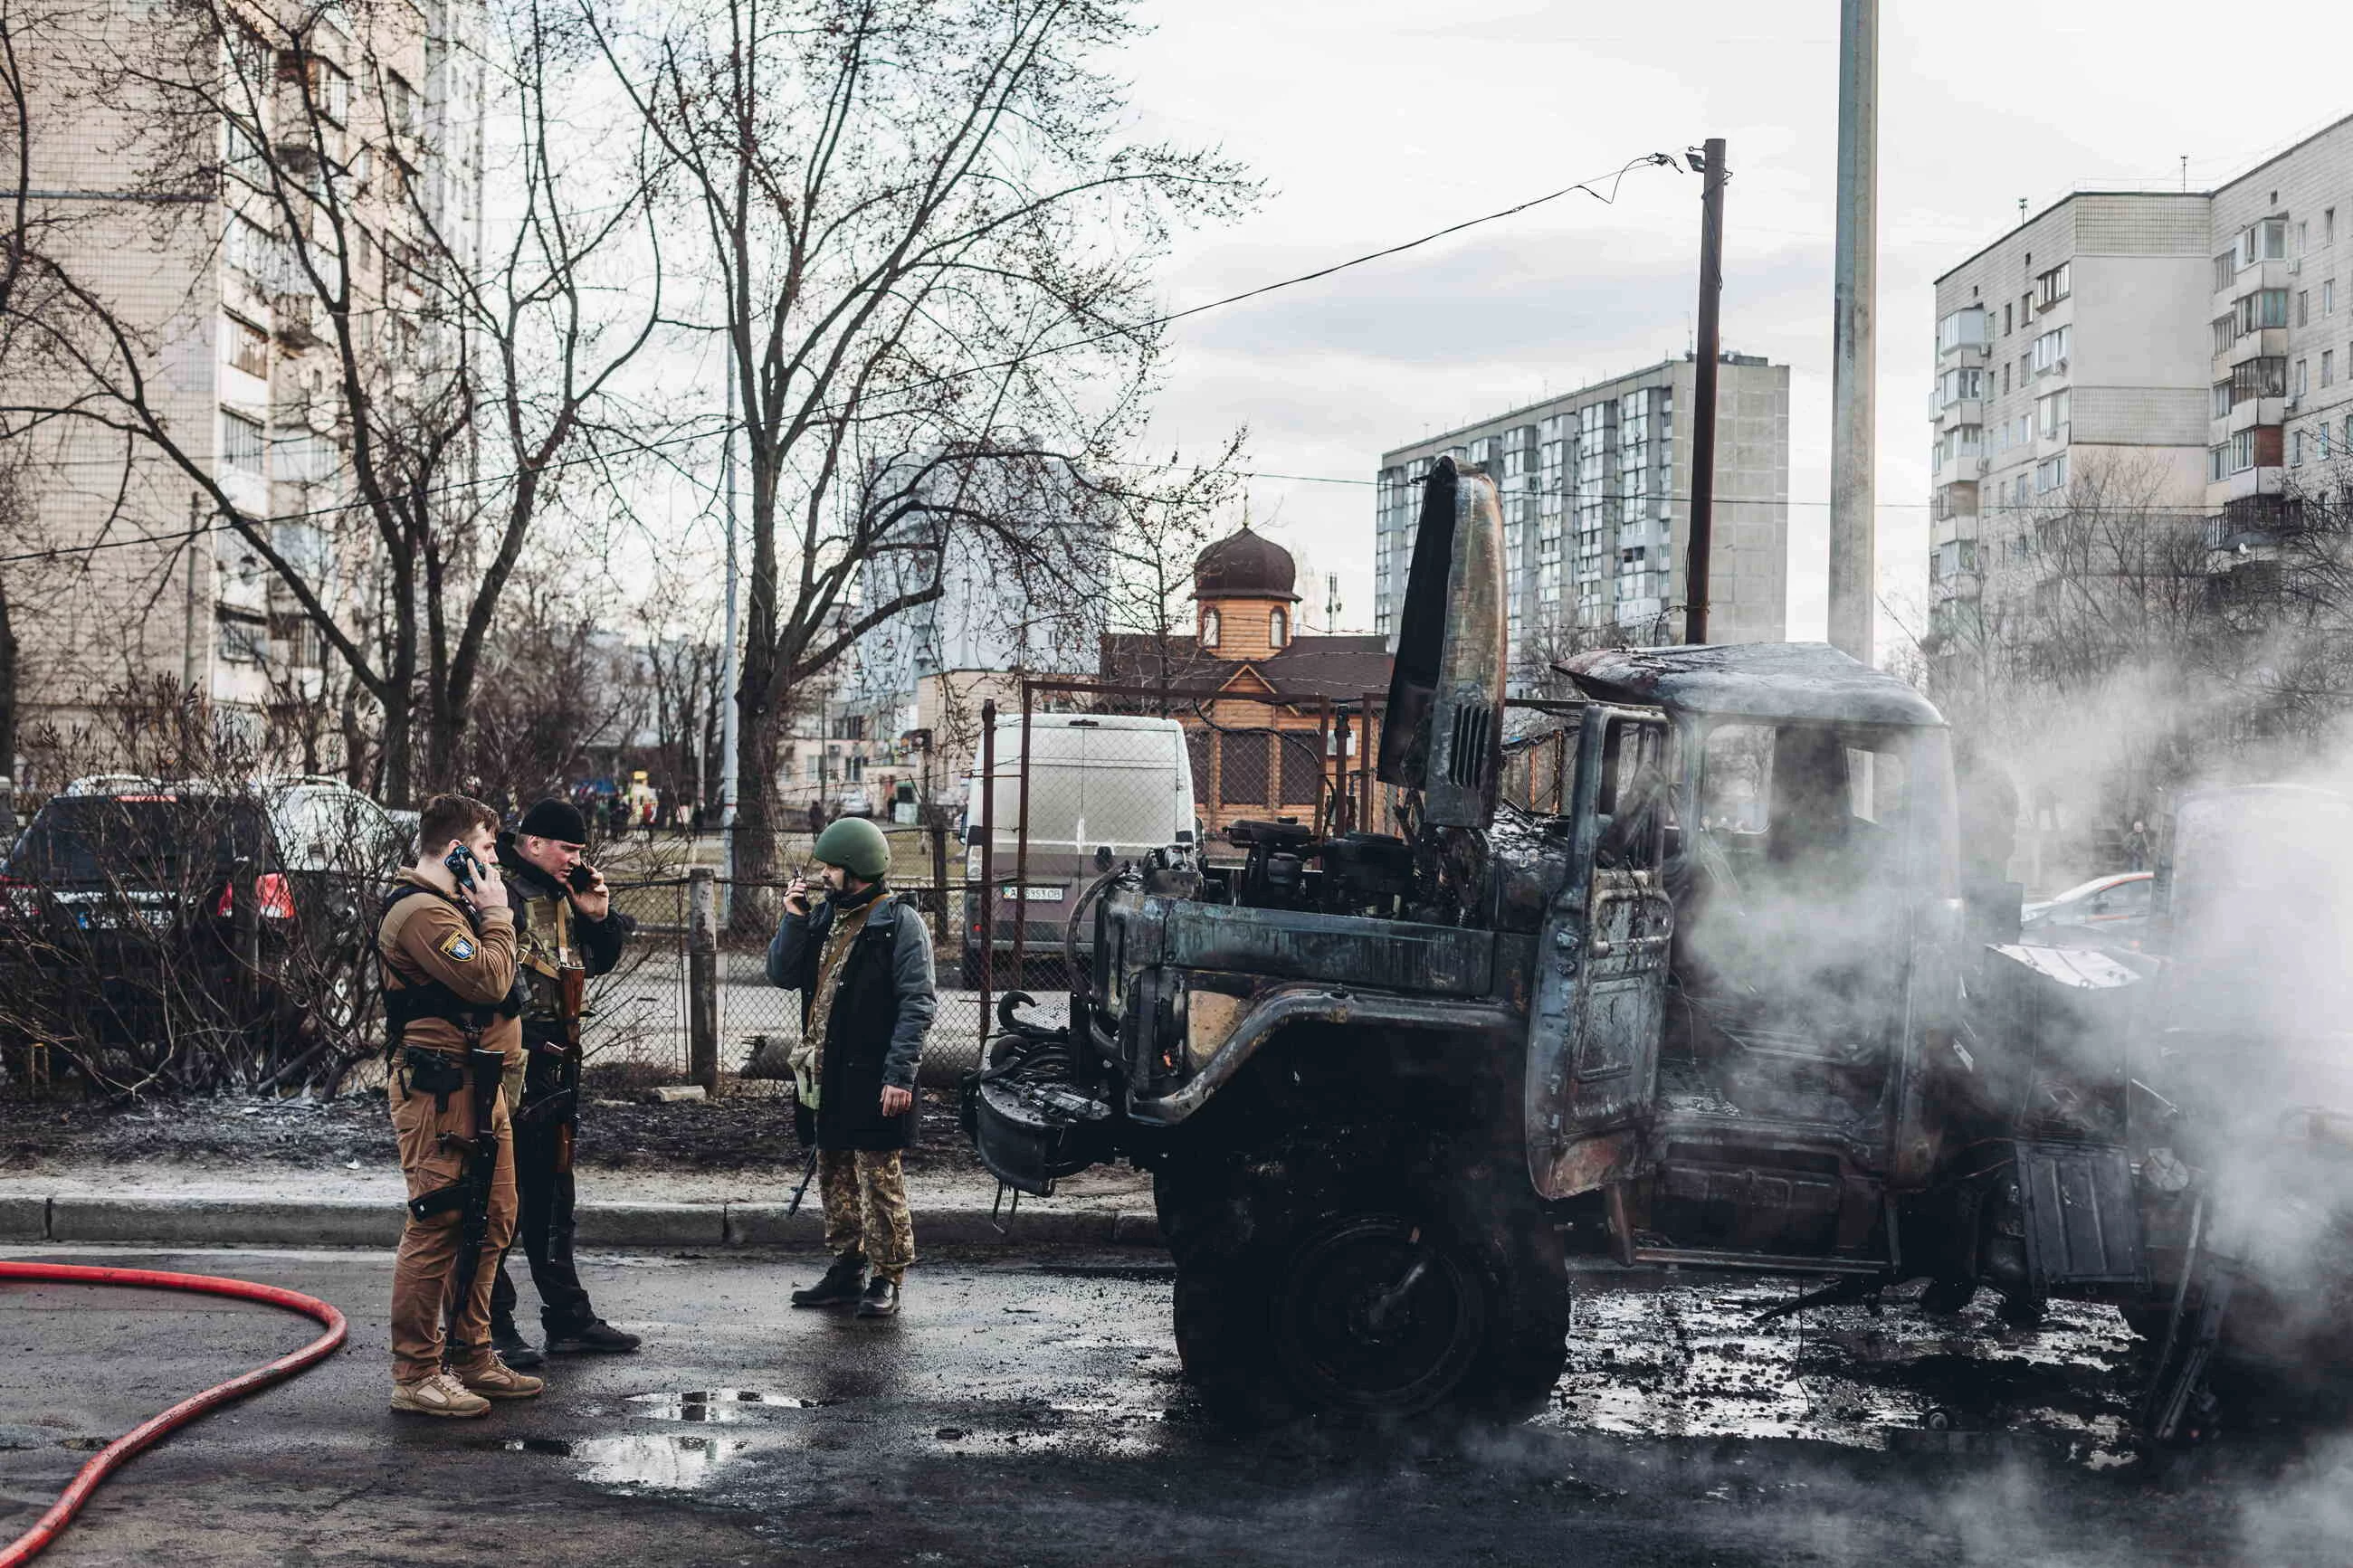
[[112, 1457]]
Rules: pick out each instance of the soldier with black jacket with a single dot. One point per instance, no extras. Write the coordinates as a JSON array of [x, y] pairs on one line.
[[862, 963], [563, 918]]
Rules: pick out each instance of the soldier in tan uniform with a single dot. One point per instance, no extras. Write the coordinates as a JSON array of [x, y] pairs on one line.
[[448, 957]]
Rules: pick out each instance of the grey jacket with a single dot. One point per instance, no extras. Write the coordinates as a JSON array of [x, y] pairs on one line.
[[799, 944]]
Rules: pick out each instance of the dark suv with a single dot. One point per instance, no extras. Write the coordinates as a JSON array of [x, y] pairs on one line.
[[130, 906]]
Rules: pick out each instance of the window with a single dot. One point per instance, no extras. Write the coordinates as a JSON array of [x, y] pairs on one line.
[[2217, 463], [1209, 628], [2328, 368], [2303, 236], [2017, 491], [2256, 378], [2265, 241], [2050, 412], [1965, 328], [2051, 474], [2006, 312], [243, 155], [2264, 307], [2005, 378], [1959, 386], [2304, 307], [2226, 266], [2050, 349], [2242, 451], [240, 442], [241, 641], [2328, 296], [2328, 226], [1247, 771], [251, 249], [2221, 398], [1278, 629], [2320, 440], [2226, 333], [2303, 379], [2051, 286], [399, 102], [2026, 307], [248, 347]]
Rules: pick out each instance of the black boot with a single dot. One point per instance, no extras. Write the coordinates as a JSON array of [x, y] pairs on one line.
[[513, 1348], [882, 1299], [841, 1285], [594, 1337]]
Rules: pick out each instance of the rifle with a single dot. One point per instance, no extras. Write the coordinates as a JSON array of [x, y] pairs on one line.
[[472, 1190], [800, 1192]]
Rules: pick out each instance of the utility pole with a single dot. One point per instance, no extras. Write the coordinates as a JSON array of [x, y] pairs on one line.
[[1702, 490], [732, 670], [192, 651], [1854, 564]]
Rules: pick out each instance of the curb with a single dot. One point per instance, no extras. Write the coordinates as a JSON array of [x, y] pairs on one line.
[[619, 1227]]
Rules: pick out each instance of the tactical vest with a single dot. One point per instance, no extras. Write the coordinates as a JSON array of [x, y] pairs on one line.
[[540, 945], [406, 1001]]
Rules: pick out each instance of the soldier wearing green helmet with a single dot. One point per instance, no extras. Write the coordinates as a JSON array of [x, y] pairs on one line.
[[862, 963]]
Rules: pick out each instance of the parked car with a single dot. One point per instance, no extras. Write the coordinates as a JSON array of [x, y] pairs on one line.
[[1099, 782], [137, 887], [2111, 911]]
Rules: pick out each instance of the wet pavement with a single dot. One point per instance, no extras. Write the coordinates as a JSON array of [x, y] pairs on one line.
[[1029, 1411]]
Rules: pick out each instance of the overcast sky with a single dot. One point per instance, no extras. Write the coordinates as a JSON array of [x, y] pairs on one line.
[[1377, 120]]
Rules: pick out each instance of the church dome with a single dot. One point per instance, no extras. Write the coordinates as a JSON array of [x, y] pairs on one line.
[[1244, 565]]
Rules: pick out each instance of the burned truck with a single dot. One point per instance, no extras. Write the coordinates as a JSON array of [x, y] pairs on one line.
[[1724, 1010]]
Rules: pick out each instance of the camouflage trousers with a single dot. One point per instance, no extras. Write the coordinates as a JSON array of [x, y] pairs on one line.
[[866, 1208]]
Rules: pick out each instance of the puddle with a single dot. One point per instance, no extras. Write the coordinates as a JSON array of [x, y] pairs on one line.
[[678, 1463], [722, 1405]]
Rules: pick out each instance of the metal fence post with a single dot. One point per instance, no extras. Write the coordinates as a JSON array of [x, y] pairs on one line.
[[1021, 850], [702, 979], [985, 896]]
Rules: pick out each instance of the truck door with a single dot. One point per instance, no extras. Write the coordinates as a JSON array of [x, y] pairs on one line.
[[1599, 999]]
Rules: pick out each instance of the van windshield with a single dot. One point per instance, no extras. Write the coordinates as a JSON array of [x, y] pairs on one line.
[[1090, 787]]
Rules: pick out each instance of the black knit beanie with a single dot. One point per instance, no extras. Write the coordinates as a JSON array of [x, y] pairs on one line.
[[557, 819]]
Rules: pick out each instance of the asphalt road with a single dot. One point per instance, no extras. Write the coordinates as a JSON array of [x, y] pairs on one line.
[[1029, 1412]]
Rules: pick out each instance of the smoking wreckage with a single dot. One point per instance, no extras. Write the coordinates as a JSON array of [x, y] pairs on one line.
[[1750, 1002]]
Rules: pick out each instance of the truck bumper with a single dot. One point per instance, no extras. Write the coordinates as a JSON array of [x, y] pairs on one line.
[[1031, 1134]]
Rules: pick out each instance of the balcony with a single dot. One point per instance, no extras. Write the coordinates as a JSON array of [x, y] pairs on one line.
[[2250, 411], [2247, 279], [2264, 342], [1961, 411], [1962, 468]]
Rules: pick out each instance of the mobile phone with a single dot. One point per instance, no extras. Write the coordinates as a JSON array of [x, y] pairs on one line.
[[582, 877], [463, 867]]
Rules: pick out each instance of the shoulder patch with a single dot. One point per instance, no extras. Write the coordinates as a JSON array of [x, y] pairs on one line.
[[458, 945]]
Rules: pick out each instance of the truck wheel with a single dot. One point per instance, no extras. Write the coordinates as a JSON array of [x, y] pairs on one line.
[[1361, 1297]]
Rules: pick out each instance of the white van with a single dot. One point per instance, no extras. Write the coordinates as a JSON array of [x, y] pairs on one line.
[[1097, 780]]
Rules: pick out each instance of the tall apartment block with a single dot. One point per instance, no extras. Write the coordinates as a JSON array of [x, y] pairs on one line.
[[2191, 350], [123, 575], [1595, 488]]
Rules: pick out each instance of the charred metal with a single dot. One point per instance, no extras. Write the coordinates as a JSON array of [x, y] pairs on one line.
[[1730, 1008]]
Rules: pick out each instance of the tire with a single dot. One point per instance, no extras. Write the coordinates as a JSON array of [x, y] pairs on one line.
[[1380, 1290]]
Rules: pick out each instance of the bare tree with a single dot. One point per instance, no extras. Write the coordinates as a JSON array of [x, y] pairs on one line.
[[448, 371], [927, 238]]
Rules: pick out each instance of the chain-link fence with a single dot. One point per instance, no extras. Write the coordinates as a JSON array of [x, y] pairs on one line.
[[689, 1000]]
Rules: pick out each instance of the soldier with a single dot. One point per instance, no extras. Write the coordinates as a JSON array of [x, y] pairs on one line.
[[446, 950], [566, 921], [862, 963]]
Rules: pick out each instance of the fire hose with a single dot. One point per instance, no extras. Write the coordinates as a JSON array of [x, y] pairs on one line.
[[115, 1454]]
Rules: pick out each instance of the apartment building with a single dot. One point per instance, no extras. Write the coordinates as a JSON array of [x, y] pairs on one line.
[[2190, 350], [1595, 488], [129, 576]]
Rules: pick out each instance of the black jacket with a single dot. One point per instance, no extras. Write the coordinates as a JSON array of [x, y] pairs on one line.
[[600, 941], [881, 1011]]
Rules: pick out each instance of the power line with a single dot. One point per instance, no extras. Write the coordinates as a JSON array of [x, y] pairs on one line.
[[1613, 179]]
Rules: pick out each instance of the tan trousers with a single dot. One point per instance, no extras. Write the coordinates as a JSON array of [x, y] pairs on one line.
[[421, 1274], [866, 1208]]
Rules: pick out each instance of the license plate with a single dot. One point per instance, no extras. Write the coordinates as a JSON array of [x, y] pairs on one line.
[[1042, 895]]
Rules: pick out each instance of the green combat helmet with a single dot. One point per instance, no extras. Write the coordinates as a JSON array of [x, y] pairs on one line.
[[857, 846]]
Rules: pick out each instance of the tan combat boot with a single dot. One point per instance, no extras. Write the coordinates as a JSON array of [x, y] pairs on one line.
[[494, 1379], [439, 1394]]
